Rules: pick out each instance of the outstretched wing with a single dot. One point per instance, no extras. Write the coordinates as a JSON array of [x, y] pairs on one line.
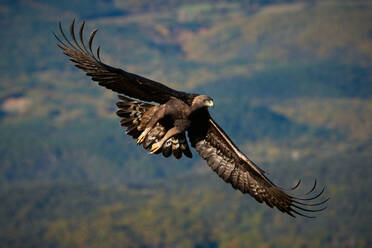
[[112, 78], [214, 146]]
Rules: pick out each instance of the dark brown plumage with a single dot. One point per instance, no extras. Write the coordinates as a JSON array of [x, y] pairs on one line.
[[161, 116]]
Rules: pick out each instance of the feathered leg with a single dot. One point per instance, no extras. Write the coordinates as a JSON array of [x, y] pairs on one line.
[[158, 145], [159, 114]]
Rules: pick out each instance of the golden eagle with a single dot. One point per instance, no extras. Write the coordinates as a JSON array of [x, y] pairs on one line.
[[159, 117]]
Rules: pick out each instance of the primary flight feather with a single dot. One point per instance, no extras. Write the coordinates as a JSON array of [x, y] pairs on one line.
[[159, 118]]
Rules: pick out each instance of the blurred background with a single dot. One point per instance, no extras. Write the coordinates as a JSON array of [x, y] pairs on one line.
[[292, 84]]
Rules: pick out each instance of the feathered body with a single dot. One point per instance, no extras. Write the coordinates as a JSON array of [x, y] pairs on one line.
[[138, 116], [160, 117]]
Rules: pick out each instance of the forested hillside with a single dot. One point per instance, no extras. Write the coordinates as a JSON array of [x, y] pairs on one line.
[[291, 82]]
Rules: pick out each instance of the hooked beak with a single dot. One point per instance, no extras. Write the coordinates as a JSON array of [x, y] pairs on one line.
[[209, 103]]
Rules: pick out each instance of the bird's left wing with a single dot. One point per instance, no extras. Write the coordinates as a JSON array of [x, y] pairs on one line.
[[224, 158], [118, 80]]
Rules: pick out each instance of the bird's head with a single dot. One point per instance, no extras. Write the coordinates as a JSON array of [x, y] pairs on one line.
[[202, 101]]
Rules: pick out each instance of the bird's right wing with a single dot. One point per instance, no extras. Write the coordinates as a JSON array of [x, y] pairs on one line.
[[115, 79], [224, 158]]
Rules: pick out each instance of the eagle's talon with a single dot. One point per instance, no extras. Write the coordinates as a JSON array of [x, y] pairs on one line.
[[142, 137], [155, 147]]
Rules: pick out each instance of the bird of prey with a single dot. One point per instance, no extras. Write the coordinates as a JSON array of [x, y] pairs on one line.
[[160, 118]]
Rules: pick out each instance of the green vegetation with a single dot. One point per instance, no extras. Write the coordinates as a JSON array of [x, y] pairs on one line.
[[292, 83]]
